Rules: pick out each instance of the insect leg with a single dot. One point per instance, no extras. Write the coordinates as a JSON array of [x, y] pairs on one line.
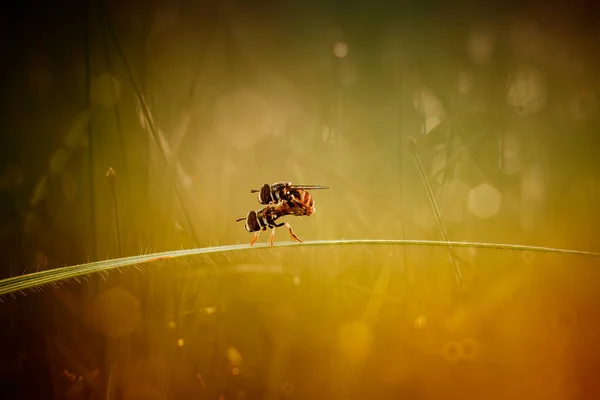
[[292, 232], [272, 238], [254, 238]]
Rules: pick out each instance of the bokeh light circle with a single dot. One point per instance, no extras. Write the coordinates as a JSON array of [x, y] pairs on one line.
[[340, 49], [484, 201], [469, 349], [452, 351], [527, 90]]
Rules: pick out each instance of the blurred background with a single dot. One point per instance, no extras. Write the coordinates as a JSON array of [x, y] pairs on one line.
[[192, 104]]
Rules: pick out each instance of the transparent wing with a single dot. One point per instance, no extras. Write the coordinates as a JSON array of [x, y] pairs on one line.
[[308, 187]]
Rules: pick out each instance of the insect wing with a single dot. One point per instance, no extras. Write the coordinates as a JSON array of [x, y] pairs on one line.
[[282, 209], [293, 208], [308, 187]]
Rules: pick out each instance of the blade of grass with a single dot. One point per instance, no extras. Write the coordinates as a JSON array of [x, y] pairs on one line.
[[29, 281], [412, 147]]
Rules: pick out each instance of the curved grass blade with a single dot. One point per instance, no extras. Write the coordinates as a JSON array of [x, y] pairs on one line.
[[28, 281]]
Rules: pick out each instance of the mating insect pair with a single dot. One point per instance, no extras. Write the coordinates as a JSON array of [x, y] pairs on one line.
[[281, 199]]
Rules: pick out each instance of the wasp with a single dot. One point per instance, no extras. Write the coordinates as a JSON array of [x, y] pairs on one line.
[[258, 221]]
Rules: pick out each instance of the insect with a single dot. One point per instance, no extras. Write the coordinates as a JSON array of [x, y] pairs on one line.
[[285, 191], [281, 199], [257, 221]]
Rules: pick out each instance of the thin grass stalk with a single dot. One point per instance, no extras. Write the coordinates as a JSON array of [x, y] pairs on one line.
[[111, 175], [412, 146], [86, 39], [146, 112], [19, 284], [117, 116]]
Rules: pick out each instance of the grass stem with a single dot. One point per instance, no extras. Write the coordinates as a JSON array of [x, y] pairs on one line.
[[33, 280]]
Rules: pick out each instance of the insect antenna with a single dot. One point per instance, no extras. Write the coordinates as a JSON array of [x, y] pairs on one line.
[[240, 219]]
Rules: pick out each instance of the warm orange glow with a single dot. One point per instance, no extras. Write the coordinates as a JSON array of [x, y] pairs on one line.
[[197, 103]]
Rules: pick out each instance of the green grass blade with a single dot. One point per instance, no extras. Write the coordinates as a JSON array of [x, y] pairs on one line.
[[28, 281]]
